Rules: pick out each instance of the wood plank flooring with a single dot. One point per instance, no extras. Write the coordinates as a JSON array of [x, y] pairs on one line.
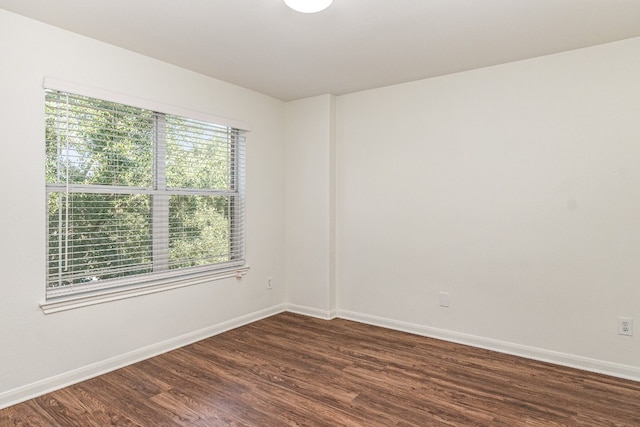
[[291, 370]]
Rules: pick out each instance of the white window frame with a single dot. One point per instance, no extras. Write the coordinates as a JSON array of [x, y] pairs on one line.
[[133, 286]]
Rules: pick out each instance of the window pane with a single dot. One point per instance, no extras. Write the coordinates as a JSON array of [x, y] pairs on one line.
[[97, 236], [132, 192], [199, 230], [89, 141], [199, 155]]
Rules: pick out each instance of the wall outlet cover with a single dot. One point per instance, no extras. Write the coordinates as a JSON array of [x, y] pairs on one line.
[[625, 326]]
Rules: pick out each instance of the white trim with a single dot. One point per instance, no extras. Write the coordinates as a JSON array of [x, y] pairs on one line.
[[311, 312], [107, 95], [84, 300], [563, 359], [57, 382]]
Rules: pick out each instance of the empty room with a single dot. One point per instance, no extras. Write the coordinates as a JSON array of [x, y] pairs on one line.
[[331, 213]]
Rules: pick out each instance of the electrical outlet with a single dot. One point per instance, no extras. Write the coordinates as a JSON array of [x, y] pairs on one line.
[[625, 326], [269, 284]]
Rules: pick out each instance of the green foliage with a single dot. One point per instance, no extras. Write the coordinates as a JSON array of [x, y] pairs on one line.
[[199, 230], [108, 236], [197, 156]]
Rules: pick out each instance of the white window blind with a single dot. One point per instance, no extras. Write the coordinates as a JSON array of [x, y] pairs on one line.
[[136, 196]]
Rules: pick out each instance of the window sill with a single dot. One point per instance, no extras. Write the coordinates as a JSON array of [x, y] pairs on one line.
[[77, 301]]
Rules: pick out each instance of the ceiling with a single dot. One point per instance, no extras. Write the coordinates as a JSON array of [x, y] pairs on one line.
[[354, 45]]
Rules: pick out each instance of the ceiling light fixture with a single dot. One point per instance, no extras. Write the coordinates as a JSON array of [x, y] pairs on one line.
[[308, 6]]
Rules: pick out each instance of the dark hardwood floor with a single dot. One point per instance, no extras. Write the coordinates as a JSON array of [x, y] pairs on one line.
[[300, 371]]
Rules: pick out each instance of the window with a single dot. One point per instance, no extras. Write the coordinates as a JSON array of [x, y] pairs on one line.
[[136, 197]]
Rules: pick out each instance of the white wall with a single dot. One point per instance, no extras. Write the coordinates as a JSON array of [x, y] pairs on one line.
[[310, 210], [35, 348], [515, 188]]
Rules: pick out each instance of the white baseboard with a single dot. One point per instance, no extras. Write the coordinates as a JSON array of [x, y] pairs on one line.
[[311, 312], [57, 382], [563, 359]]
